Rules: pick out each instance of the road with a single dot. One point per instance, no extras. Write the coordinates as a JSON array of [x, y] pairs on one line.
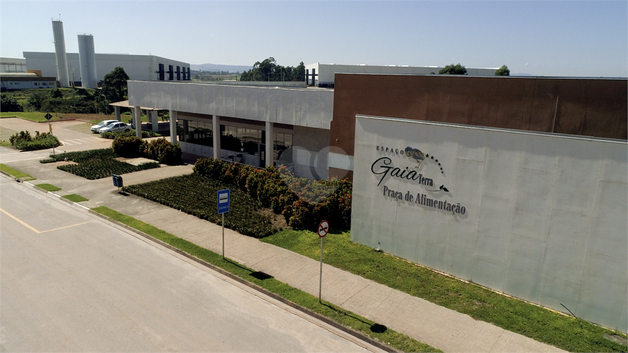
[[71, 281], [74, 135]]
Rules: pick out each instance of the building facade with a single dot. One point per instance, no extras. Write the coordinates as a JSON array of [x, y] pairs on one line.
[[138, 67], [517, 184]]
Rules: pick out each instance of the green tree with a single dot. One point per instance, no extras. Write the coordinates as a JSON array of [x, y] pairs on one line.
[[268, 70], [502, 71], [10, 104], [453, 70], [37, 99], [114, 87]]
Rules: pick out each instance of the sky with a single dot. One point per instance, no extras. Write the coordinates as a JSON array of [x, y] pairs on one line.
[[541, 38]]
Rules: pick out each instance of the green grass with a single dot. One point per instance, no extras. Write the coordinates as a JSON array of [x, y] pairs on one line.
[[75, 198], [15, 173], [32, 116], [48, 187], [344, 317], [480, 303], [5, 143]]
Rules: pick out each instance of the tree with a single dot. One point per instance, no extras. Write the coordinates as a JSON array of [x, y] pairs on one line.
[[453, 70], [268, 70], [114, 88], [10, 104], [502, 71]]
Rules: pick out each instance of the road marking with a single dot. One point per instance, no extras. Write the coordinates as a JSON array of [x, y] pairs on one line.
[[19, 221], [64, 227], [37, 231]]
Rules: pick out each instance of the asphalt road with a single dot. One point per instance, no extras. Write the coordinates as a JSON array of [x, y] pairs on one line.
[[71, 281]]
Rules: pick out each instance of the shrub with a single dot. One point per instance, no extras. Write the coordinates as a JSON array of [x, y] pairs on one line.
[[302, 202], [10, 104], [25, 142], [127, 146], [162, 151], [113, 135]]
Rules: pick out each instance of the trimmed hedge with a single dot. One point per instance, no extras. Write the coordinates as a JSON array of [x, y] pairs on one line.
[[113, 135], [159, 149], [163, 151], [25, 142], [302, 202], [96, 164], [196, 195]]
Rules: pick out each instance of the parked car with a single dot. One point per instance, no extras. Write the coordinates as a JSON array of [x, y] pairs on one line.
[[115, 127], [96, 128]]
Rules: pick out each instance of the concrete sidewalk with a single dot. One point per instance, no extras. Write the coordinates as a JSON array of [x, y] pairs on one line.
[[439, 327]]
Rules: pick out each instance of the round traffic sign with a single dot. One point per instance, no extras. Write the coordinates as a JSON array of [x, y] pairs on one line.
[[323, 229]]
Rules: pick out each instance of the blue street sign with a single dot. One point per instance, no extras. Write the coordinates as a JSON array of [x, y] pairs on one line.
[[224, 198]]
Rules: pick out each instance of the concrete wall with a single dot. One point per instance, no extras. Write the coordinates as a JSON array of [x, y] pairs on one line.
[[544, 215], [326, 72], [299, 107], [138, 67]]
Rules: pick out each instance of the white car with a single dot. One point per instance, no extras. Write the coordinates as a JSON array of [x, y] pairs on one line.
[[115, 127], [96, 128]]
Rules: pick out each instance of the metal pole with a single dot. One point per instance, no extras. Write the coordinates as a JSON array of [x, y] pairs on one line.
[[320, 283], [223, 236]]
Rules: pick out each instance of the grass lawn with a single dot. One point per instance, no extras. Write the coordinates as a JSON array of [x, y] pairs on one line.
[[48, 187], [32, 116], [75, 198], [509, 313], [390, 337], [15, 173]]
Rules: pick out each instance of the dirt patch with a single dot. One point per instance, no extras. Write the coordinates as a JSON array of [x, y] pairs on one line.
[[86, 117], [277, 220], [135, 161]]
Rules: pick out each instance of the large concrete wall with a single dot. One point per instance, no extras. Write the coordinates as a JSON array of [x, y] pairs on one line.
[[544, 216], [299, 107], [138, 67], [326, 72], [588, 107]]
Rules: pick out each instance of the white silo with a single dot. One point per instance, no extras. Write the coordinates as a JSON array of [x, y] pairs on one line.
[[87, 59], [62, 61]]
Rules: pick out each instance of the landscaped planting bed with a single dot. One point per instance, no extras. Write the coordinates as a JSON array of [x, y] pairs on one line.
[[196, 195], [102, 168], [96, 164]]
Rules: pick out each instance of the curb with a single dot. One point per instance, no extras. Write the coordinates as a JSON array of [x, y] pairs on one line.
[[283, 300]]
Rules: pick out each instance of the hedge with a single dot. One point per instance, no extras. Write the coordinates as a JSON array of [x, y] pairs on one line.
[[25, 142], [302, 202]]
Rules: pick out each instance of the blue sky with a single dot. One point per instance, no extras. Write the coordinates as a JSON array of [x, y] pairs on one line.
[[549, 38]]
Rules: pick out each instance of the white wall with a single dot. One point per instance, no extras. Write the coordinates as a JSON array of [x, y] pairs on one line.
[[544, 220], [326, 72], [138, 67], [299, 107]]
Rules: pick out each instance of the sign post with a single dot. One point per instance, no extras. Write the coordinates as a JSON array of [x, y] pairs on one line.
[[323, 229], [224, 198], [48, 117]]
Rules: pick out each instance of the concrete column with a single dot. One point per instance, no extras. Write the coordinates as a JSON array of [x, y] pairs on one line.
[[154, 120], [186, 130], [270, 134], [137, 118], [173, 126], [216, 133], [117, 109]]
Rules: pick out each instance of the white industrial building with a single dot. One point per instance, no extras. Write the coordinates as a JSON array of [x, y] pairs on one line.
[[322, 75], [138, 67]]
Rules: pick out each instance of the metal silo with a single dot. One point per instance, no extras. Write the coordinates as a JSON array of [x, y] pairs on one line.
[[62, 61], [87, 58]]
